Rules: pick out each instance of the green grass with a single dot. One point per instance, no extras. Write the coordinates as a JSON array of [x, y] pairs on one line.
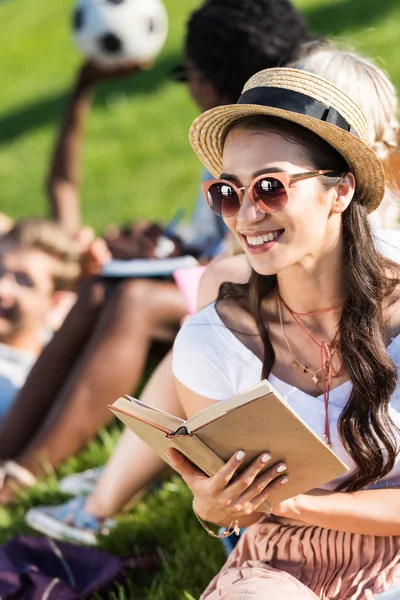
[[137, 132], [137, 163], [188, 557]]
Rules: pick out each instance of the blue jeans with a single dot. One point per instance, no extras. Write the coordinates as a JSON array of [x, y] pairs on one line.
[[230, 542]]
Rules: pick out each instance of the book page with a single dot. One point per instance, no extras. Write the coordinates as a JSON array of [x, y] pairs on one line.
[[158, 410], [136, 408]]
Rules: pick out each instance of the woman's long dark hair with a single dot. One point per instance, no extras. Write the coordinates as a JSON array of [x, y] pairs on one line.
[[365, 427]]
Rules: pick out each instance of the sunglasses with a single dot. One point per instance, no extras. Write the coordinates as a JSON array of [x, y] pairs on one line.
[[269, 193], [182, 73]]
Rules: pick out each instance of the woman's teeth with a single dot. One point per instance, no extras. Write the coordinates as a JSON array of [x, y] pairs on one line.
[[262, 239]]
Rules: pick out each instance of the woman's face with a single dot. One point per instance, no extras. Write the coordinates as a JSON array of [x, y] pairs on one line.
[[306, 228]]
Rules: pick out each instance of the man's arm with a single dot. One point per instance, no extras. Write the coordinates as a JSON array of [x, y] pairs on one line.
[[63, 181]]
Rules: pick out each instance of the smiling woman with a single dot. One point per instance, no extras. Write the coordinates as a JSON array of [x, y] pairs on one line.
[[316, 318], [284, 208]]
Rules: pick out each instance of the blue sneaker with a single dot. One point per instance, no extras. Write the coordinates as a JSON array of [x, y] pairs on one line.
[[68, 522], [81, 484]]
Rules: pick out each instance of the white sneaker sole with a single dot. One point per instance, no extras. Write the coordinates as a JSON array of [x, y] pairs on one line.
[[59, 531]]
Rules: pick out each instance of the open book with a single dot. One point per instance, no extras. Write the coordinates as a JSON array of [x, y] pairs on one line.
[[255, 421]]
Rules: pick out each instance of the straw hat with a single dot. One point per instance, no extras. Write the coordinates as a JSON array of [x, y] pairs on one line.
[[308, 100]]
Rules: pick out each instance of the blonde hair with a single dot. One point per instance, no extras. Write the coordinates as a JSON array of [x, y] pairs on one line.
[[49, 237], [370, 87], [366, 83]]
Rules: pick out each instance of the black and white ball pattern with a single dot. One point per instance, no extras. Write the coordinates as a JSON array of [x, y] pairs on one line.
[[111, 32]]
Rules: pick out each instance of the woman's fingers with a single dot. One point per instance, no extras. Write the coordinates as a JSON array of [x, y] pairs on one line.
[[218, 482], [222, 478], [251, 503], [245, 479], [251, 483]]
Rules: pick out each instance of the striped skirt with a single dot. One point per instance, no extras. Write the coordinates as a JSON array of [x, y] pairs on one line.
[[286, 560]]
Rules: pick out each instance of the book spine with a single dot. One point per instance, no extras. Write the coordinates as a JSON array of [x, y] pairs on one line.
[[198, 453]]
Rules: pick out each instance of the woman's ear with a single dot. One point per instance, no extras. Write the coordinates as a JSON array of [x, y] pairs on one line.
[[344, 193]]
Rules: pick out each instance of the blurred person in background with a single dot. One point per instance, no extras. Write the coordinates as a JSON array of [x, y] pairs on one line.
[[6, 223], [380, 107], [39, 269], [101, 350]]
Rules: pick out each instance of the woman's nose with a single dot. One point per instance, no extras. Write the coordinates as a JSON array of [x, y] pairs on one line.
[[249, 212]]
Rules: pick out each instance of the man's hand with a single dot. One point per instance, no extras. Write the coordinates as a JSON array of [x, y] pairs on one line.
[[94, 252], [91, 74]]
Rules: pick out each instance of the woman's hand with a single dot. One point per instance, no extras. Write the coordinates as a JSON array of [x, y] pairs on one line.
[[221, 499]]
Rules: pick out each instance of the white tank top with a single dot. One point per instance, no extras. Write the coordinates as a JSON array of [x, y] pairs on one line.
[[211, 361]]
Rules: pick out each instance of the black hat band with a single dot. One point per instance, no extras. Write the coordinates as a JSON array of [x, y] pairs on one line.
[[295, 102]]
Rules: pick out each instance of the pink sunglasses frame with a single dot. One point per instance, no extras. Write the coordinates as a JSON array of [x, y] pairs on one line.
[[283, 177]]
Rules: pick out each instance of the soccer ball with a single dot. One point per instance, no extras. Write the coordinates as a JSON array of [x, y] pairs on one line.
[[112, 32]]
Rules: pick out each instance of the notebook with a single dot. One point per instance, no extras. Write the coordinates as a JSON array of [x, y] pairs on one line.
[[147, 267]]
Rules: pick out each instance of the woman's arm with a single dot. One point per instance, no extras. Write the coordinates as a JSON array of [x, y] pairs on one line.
[[221, 501], [63, 180], [368, 512]]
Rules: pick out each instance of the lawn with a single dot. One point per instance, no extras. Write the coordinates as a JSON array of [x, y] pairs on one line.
[[137, 132], [136, 135]]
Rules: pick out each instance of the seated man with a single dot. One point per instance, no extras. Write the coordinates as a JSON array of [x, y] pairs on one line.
[[38, 261]]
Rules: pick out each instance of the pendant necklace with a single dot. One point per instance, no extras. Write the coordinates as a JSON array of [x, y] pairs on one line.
[[324, 374], [296, 364]]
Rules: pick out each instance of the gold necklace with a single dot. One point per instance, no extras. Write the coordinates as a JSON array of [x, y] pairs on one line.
[[327, 350], [296, 364]]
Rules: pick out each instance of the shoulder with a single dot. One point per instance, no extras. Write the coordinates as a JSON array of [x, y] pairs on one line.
[[235, 269], [203, 333], [199, 333], [206, 317], [202, 355], [387, 242]]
